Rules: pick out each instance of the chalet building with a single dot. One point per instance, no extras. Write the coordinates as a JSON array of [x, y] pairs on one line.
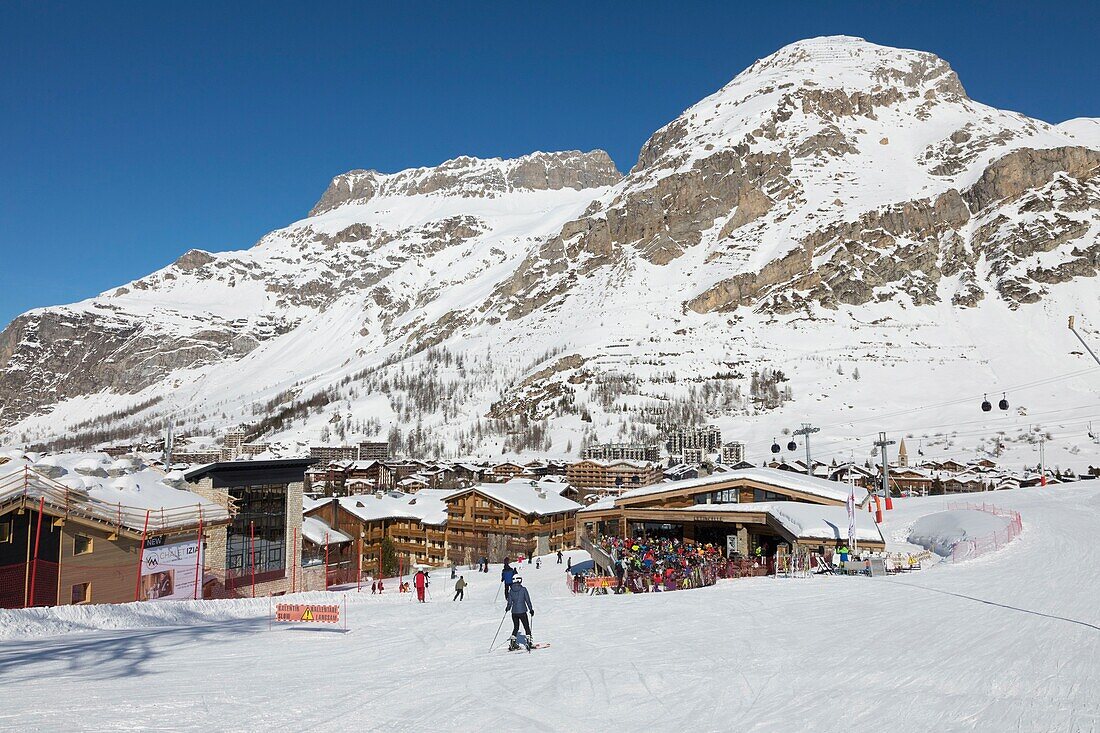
[[739, 511], [467, 474], [910, 481], [594, 476], [414, 483], [851, 473], [414, 523], [964, 483], [506, 471], [260, 551], [799, 466], [682, 471], [324, 547], [83, 528], [442, 526], [509, 519]]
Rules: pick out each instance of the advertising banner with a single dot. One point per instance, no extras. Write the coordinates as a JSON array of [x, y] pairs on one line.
[[168, 571], [731, 545]]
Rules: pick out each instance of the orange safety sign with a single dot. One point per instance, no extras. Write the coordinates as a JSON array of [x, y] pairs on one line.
[[307, 612], [601, 581]]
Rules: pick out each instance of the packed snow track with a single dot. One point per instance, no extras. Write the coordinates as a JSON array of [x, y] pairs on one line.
[[1006, 642]]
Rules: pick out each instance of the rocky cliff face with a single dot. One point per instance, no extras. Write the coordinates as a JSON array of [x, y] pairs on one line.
[[476, 177], [836, 184], [800, 181]]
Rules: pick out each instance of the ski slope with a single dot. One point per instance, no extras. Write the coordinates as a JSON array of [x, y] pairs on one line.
[[1006, 642]]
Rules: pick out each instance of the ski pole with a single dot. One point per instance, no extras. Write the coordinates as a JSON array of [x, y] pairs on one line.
[[498, 630], [497, 596]]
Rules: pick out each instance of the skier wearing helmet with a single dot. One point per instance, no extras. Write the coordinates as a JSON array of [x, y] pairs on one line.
[[519, 603]]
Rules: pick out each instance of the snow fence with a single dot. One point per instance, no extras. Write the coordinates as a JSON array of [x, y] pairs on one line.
[[975, 547]]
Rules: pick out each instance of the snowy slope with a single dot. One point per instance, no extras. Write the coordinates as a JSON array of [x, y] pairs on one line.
[[840, 212], [1008, 641]]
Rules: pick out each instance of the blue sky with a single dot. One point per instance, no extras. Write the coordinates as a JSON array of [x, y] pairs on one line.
[[131, 132]]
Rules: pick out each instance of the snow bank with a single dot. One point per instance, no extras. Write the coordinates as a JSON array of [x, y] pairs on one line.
[[941, 531]]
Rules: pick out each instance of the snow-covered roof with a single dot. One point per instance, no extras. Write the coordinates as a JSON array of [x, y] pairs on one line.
[[119, 492], [526, 497], [318, 532], [310, 503], [556, 484], [804, 521], [602, 504], [426, 505], [800, 482]]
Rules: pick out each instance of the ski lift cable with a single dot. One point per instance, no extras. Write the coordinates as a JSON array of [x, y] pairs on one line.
[[1009, 388], [1077, 421], [822, 446], [1055, 435], [912, 429]]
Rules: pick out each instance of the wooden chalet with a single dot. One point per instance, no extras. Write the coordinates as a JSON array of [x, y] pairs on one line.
[[741, 510]]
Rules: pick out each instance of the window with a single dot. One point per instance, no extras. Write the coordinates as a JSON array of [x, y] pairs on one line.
[[5, 531], [82, 545], [725, 496], [762, 495], [82, 593], [256, 541]]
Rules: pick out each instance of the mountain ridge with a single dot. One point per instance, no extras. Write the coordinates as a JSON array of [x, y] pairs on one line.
[[835, 183]]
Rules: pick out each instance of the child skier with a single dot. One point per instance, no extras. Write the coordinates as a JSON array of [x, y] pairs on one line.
[[507, 574], [519, 603]]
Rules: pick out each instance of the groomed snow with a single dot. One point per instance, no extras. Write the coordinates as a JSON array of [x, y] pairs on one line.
[[1008, 641], [940, 532]]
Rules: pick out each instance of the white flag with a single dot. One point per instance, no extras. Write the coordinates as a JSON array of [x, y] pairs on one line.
[[851, 517]]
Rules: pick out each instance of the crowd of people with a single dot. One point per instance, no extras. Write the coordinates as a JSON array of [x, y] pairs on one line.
[[647, 564]]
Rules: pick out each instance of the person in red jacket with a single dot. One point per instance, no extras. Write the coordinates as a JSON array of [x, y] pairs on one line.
[[421, 582]]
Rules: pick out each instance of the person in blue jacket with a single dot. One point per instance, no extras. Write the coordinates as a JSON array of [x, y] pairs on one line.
[[506, 576], [519, 603]]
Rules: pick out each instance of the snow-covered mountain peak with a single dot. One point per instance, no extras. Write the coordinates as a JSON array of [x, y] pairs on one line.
[[853, 64], [475, 177], [803, 95]]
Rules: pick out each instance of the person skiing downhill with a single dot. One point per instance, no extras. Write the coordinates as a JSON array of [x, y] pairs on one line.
[[460, 588], [421, 581], [519, 603], [507, 574]]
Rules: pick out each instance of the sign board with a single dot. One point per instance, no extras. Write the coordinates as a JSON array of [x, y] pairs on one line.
[[171, 572], [307, 613], [601, 581], [731, 545]]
